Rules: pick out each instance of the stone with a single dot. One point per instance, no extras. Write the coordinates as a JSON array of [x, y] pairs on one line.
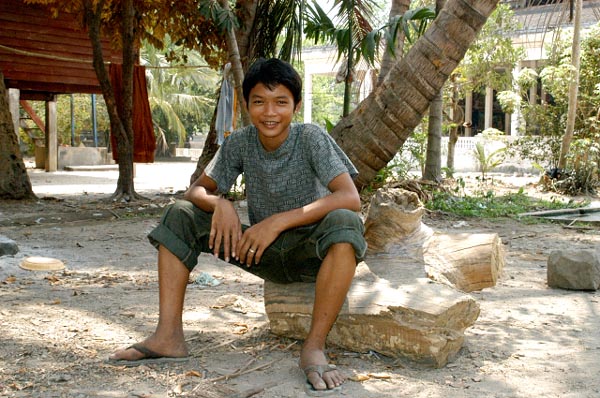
[[8, 247], [574, 269]]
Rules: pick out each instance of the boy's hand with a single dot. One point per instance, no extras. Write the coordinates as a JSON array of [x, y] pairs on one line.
[[226, 229], [255, 241]]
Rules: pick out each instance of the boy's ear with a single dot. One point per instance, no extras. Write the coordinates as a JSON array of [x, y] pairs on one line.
[[298, 105]]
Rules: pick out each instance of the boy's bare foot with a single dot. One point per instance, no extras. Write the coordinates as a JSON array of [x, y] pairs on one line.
[[319, 373]]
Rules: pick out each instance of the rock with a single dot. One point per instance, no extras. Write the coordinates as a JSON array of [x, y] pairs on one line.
[[574, 269], [8, 247]]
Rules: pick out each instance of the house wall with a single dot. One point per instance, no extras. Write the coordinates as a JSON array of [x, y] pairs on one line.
[[40, 53]]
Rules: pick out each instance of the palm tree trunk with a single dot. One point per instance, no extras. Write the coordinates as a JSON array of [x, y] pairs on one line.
[[374, 132], [349, 67], [457, 118], [433, 159], [236, 67], [573, 87], [242, 45], [399, 7]]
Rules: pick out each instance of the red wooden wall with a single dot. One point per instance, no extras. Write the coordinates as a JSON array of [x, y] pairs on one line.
[[31, 29]]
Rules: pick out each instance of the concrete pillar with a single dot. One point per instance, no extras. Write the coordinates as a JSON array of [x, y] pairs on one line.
[[533, 94], [51, 136], [307, 95], [13, 103], [469, 114], [515, 117], [489, 107]]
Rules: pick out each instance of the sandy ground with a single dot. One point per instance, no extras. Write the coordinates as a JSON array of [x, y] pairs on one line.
[[56, 328]]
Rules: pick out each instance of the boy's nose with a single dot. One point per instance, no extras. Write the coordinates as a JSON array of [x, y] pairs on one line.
[[269, 108]]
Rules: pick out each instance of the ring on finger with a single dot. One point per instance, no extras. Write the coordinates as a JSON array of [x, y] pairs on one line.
[[252, 251]]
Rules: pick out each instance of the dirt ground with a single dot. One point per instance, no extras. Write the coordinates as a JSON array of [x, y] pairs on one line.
[[57, 328]]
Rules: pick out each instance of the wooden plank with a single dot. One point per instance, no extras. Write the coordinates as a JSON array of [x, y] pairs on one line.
[[34, 30], [34, 116]]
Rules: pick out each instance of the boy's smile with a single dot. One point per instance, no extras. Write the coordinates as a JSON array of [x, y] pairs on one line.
[[271, 112]]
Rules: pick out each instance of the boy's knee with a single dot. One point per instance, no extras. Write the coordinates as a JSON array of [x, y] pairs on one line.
[[344, 218], [342, 226], [182, 212]]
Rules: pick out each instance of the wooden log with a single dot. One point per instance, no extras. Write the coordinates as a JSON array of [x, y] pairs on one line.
[[420, 320], [468, 262], [394, 305]]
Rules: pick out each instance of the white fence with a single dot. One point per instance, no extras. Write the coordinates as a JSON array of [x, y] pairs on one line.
[[465, 160]]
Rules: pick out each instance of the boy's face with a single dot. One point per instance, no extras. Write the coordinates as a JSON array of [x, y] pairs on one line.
[[271, 112]]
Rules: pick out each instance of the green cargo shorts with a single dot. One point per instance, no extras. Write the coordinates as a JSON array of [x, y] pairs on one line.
[[295, 256]]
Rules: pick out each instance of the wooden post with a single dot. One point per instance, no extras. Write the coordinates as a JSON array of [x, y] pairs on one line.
[[51, 135]]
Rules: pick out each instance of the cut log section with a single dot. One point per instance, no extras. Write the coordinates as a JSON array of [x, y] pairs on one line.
[[468, 262], [394, 305], [422, 321]]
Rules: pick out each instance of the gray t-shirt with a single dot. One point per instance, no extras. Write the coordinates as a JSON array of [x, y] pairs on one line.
[[294, 175]]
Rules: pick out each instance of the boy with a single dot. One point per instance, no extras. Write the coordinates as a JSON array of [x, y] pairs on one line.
[[302, 207]]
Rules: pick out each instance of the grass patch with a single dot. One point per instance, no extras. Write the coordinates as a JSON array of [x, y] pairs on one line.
[[488, 205]]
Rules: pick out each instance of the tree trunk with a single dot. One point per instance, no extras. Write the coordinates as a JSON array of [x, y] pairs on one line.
[[399, 7], [121, 125], [374, 132], [456, 118], [433, 157], [573, 87], [236, 67], [210, 148], [14, 181], [243, 39]]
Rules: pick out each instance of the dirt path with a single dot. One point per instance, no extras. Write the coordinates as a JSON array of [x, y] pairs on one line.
[[56, 328]]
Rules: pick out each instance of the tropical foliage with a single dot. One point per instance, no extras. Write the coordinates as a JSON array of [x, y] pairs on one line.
[[182, 96], [545, 121]]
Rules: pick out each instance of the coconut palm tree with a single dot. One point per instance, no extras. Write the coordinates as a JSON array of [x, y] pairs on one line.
[[176, 90], [374, 132]]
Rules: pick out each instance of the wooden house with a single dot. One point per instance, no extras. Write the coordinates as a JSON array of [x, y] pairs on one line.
[[42, 55]]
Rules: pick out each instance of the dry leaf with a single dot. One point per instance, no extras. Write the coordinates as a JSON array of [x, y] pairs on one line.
[[194, 373], [240, 328], [384, 376], [360, 377], [10, 279]]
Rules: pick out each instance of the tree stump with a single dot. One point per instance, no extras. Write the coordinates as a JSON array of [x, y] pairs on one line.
[[394, 305]]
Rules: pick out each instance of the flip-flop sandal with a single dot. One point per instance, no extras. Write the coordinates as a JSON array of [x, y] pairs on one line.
[[320, 370], [150, 357]]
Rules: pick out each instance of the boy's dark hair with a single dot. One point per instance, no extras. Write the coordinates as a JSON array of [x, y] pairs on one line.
[[272, 72]]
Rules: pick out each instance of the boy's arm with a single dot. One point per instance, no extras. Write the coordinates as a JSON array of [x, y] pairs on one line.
[[226, 227], [257, 238]]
